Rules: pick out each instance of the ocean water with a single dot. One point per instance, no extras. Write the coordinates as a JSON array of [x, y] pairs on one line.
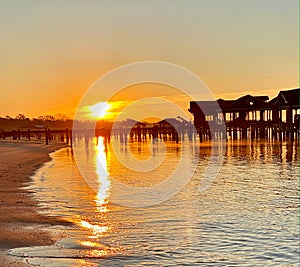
[[234, 204]]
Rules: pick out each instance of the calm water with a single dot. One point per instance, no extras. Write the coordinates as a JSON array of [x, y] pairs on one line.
[[247, 217]]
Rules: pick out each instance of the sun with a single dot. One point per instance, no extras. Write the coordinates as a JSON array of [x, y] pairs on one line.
[[100, 110]]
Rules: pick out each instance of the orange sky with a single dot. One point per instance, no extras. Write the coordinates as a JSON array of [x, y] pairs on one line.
[[52, 51]]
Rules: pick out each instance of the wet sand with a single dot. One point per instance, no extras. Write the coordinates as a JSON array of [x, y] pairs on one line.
[[20, 222]]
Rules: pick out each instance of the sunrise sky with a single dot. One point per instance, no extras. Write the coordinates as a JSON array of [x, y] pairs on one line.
[[52, 51]]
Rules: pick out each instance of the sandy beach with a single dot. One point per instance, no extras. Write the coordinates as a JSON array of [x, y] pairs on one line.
[[20, 222]]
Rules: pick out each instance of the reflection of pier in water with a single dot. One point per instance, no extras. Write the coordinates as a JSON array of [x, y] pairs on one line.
[[254, 150]]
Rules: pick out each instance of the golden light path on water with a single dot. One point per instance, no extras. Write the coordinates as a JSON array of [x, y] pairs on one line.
[[100, 200], [102, 174]]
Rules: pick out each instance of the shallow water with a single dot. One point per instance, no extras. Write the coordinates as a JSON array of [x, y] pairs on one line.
[[248, 215]]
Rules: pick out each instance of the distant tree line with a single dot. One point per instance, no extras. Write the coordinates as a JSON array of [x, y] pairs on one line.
[[22, 117], [22, 122]]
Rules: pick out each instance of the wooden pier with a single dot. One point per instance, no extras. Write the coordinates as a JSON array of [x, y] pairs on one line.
[[248, 117], [45, 134]]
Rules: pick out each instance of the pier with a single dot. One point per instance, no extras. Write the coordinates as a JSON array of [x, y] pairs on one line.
[[246, 118], [249, 117], [42, 134]]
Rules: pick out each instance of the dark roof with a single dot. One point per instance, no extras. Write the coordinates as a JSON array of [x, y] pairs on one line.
[[171, 121], [207, 107], [288, 98], [246, 103], [224, 104]]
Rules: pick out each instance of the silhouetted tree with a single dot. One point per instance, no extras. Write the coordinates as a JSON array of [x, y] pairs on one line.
[[20, 116], [47, 118], [60, 117]]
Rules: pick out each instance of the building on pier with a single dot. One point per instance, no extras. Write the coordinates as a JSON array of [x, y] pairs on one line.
[[248, 116]]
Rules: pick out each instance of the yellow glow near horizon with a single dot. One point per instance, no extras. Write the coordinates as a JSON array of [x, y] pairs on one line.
[[100, 110]]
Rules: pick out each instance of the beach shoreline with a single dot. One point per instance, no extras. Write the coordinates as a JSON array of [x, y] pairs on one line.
[[20, 222]]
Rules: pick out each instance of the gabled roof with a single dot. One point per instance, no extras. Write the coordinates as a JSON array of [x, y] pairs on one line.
[[249, 102], [206, 107], [246, 103], [288, 98], [224, 104], [172, 121]]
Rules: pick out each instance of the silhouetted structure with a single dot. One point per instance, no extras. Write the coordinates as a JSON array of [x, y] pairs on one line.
[[43, 134], [248, 116], [168, 129]]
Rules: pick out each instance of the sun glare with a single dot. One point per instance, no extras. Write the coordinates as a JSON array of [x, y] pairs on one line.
[[100, 110]]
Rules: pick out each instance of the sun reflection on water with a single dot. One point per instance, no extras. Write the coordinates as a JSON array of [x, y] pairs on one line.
[[81, 262], [102, 174], [103, 189], [98, 226], [96, 229]]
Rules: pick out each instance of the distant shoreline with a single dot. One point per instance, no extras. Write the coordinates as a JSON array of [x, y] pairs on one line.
[[20, 222]]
